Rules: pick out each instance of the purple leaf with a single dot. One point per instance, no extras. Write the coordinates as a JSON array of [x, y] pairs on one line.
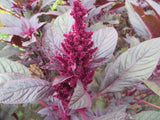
[[155, 6], [9, 51], [80, 98], [8, 66], [147, 115], [11, 30], [47, 2], [6, 3], [136, 21], [34, 21], [59, 79], [45, 111], [25, 24], [23, 90], [88, 4], [63, 24], [96, 11], [10, 21], [54, 65], [32, 40], [105, 39], [132, 67], [51, 42], [116, 115]]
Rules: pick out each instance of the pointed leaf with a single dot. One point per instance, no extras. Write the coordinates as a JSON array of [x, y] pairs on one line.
[[155, 6], [10, 21], [147, 115], [23, 89], [136, 21], [59, 79], [63, 23], [11, 66], [80, 98], [11, 30], [154, 86], [9, 51], [51, 42], [118, 115], [105, 39], [132, 67], [47, 2], [6, 3]]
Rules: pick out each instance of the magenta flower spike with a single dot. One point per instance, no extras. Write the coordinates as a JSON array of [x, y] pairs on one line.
[[77, 54]]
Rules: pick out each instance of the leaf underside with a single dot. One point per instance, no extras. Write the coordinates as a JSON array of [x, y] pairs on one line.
[[80, 98], [18, 89], [132, 67]]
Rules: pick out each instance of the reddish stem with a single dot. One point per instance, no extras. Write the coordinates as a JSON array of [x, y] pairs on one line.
[[83, 114], [43, 103], [147, 103]]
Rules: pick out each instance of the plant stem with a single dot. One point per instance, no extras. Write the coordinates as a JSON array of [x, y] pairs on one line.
[[147, 103], [83, 114], [43, 103]]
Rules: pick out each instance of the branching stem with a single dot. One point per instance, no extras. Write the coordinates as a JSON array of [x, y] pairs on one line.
[[83, 114], [147, 103], [43, 103]]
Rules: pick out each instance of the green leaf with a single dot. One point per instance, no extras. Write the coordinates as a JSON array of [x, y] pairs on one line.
[[154, 86], [147, 115], [80, 98], [117, 115], [8, 66], [132, 67]]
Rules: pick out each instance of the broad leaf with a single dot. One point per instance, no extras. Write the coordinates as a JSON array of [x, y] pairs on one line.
[[10, 21], [47, 2], [136, 21], [155, 6], [106, 40], [11, 66], [23, 89], [96, 11], [9, 51], [147, 115], [63, 24], [59, 79], [6, 3], [80, 98], [51, 42], [154, 86], [132, 67], [117, 115]]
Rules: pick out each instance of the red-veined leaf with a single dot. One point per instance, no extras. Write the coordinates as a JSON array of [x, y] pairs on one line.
[[80, 98], [136, 21], [147, 115], [18, 89], [106, 40], [132, 67]]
